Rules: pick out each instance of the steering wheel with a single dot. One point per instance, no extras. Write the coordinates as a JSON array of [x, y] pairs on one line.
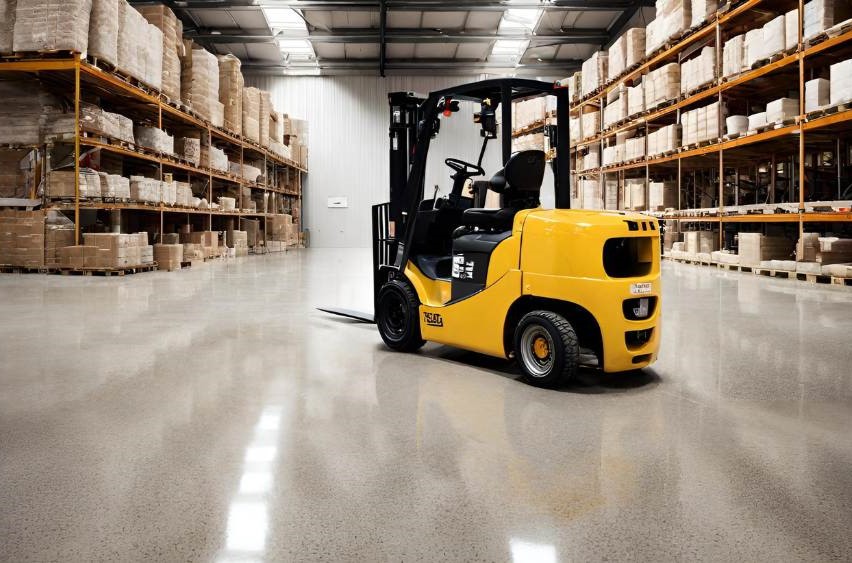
[[465, 168]]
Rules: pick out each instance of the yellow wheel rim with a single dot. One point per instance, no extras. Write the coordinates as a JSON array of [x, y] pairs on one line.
[[540, 348]]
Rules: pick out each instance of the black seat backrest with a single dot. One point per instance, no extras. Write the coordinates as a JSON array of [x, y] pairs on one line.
[[522, 176]]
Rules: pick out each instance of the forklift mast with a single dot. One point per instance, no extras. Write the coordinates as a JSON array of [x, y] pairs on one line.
[[404, 116]]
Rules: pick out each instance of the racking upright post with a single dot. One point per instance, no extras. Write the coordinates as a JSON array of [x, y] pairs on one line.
[[77, 149], [800, 121]]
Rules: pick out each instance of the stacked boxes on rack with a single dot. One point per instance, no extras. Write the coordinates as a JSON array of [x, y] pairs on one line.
[[702, 11], [611, 195], [594, 72], [635, 100], [817, 94], [754, 248], [525, 113], [701, 242], [103, 31], [145, 190], [113, 250], [733, 56], [114, 186], [56, 238], [61, 183], [238, 240], [698, 71], [22, 238], [214, 159], [590, 124], [592, 194], [615, 110], [634, 148], [28, 112], [168, 256], [264, 110], [634, 194], [780, 110], [95, 120], [171, 28], [189, 149]]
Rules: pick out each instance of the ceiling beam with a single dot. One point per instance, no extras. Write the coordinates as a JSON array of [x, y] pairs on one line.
[[401, 5], [618, 25], [581, 36], [383, 24], [563, 66]]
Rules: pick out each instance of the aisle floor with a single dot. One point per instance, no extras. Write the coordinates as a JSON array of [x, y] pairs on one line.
[[213, 414]]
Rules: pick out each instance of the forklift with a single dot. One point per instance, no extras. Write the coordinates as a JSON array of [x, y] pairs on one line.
[[553, 289]]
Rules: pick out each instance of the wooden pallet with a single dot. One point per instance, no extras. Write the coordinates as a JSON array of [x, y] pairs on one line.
[[107, 271], [841, 281], [769, 60], [9, 269], [785, 274], [45, 54], [813, 278]]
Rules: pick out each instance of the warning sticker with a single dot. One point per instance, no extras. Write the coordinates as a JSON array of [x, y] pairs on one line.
[[462, 269], [640, 288]]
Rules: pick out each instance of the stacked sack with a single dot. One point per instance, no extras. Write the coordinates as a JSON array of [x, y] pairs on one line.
[[231, 86], [165, 20], [52, 25], [140, 47], [200, 83]]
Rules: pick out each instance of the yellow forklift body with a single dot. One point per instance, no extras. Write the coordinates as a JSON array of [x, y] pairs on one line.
[[556, 255]]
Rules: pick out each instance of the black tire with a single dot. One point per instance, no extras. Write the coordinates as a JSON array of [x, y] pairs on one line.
[[398, 316], [546, 348]]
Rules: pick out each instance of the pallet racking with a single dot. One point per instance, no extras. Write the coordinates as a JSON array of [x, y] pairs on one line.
[[69, 75], [805, 147]]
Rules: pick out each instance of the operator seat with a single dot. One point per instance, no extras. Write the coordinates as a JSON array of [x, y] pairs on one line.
[[519, 182]]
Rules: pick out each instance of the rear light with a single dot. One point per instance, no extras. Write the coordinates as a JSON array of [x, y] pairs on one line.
[[639, 308], [638, 338]]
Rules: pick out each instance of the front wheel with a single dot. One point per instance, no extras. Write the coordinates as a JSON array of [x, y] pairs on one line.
[[546, 348], [398, 316]]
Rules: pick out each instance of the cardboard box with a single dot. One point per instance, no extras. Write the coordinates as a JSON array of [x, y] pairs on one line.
[[817, 94], [231, 85], [251, 114], [840, 90], [782, 109]]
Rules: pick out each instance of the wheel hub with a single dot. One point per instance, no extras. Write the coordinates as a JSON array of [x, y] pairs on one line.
[[541, 348]]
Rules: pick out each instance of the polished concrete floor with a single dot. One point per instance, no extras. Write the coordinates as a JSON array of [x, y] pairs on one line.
[[214, 415]]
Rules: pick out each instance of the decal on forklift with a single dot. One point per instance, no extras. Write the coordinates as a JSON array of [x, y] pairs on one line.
[[640, 288], [433, 319], [462, 270]]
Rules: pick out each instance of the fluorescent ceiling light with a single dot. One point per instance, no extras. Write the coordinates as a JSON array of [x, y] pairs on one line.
[[284, 18], [297, 49], [508, 49], [516, 19]]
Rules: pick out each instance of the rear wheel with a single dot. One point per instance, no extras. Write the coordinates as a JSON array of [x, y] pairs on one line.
[[398, 316], [546, 348]]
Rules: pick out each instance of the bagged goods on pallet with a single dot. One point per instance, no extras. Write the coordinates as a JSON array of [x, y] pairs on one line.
[[145, 190], [189, 149], [7, 25], [28, 112], [755, 248], [673, 18], [617, 58], [733, 56], [774, 36], [171, 28], [52, 25], [199, 82], [594, 72], [698, 71], [114, 186], [635, 100], [781, 109], [634, 194], [214, 159], [592, 194], [736, 124], [840, 89], [276, 128], [611, 195], [140, 47], [61, 183], [823, 14], [817, 94], [154, 139], [615, 109], [662, 195], [838, 270], [634, 148], [791, 29], [283, 151], [103, 30], [251, 113], [183, 194], [113, 125], [168, 256], [756, 120], [265, 108], [663, 140], [661, 85], [634, 46], [168, 193], [754, 49], [227, 203], [231, 84], [702, 10]]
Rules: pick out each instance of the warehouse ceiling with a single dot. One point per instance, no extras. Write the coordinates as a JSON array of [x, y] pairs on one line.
[[509, 37]]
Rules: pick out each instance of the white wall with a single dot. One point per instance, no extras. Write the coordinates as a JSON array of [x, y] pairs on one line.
[[348, 146]]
